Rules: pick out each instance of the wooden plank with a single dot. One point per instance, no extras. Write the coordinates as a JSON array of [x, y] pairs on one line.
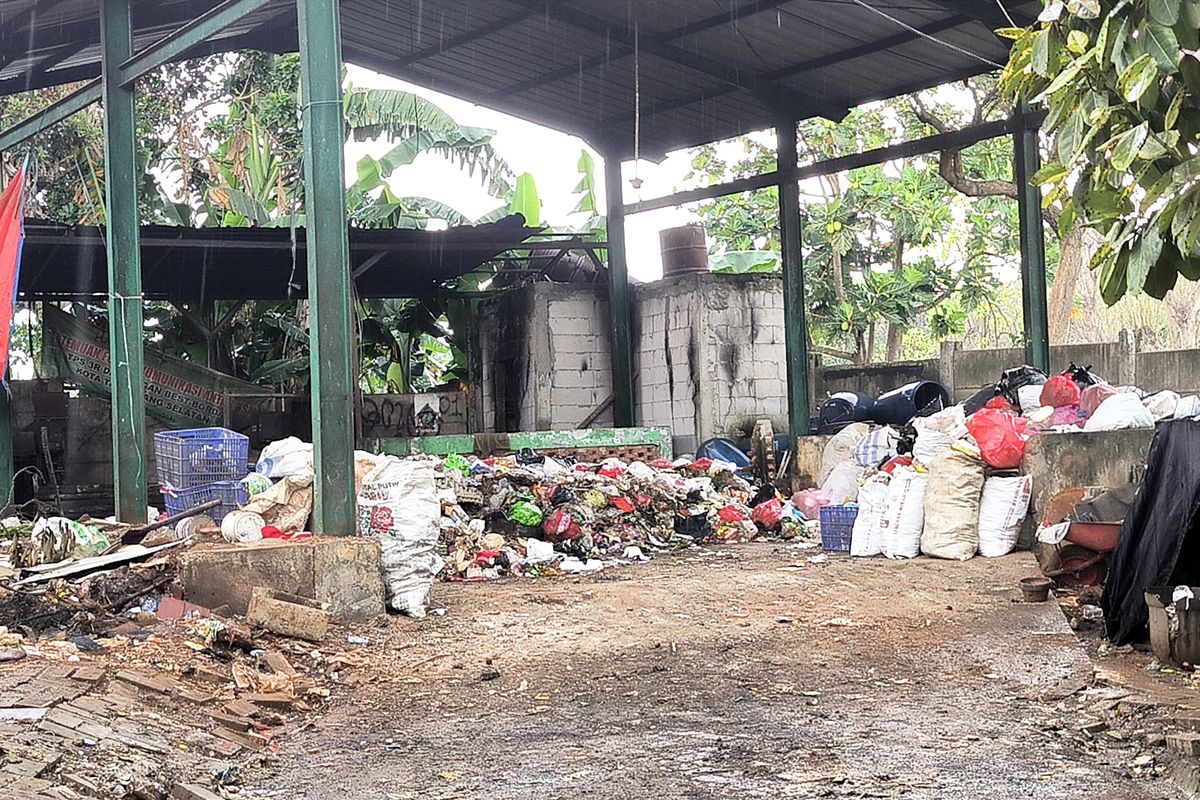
[[242, 708], [247, 739]]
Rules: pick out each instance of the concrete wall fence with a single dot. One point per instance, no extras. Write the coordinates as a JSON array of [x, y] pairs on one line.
[[709, 359]]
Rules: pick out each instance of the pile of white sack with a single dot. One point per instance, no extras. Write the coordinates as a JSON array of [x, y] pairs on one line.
[[943, 500]]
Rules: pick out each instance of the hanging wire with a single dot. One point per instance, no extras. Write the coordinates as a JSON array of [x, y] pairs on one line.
[[924, 35], [636, 181]]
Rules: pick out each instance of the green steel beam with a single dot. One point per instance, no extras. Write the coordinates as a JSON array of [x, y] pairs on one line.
[[328, 267], [795, 322], [177, 43], [618, 297], [34, 124], [1033, 243], [121, 177]]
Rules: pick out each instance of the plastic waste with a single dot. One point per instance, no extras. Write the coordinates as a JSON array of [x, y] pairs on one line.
[[1001, 437], [1061, 390]]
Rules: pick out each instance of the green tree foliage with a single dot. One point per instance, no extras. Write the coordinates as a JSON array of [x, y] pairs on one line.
[[1120, 80], [890, 246]]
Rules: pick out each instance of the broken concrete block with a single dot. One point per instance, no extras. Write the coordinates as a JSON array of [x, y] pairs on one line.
[[347, 577], [1185, 744], [150, 683], [279, 664], [342, 572], [287, 614], [192, 791]]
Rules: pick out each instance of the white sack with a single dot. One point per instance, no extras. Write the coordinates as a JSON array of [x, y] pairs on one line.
[[840, 448], [1162, 404], [1189, 406], [1122, 410], [1030, 397], [936, 433], [1002, 509], [904, 517], [288, 457], [842, 483], [399, 506], [876, 447], [952, 507], [872, 501]]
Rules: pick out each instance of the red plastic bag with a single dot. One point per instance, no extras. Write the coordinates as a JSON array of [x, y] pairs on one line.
[[898, 461], [730, 514], [1061, 390], [1000, 403], [621, 504], [561, 527], [1001, 437], [768, 514]]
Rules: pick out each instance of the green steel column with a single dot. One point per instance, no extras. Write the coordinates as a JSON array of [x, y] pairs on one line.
[[795, 322], [618, 293], [328, 267], [124, 268], [1033, 244]]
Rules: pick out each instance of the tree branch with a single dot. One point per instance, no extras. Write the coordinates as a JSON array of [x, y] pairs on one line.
[[950, 166]]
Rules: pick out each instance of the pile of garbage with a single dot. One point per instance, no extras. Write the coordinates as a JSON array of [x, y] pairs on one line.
[[948, 485], [538, 515]]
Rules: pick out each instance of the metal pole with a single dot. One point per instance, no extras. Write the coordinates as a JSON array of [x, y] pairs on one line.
[[618, 296], [1027, 161], [795, 322], [124, 268], [331, 353]]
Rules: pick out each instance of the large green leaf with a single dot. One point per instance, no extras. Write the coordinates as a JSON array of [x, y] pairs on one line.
[[1046, 48], [1138, 77], [1126, 146], [1164, 12], [741, 262], [1144, 256], [396, 114], [1161, 43], [525, 201]]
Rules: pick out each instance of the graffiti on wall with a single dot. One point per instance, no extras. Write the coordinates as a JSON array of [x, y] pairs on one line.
[[394, 416]]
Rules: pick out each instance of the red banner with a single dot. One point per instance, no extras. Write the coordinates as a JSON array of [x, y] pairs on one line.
[[12, 236]]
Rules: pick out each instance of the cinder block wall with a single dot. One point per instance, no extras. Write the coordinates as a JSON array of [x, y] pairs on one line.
[[545, 359], [709, 355]]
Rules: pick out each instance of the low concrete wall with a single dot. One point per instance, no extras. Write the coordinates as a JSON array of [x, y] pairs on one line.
[[964, 372], [343, 573], [1060, 461]]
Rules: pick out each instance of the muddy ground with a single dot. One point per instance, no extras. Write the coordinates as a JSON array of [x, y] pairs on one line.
[[737, 672]]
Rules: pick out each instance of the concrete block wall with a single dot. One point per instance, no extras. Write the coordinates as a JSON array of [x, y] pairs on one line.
[[666, 361], [579, 352], [506, 362], [545, 359], [709, 355]]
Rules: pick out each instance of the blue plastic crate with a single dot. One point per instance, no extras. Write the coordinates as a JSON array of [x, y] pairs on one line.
[[180, 500], [837, 527], [232, 494], [198, 457]]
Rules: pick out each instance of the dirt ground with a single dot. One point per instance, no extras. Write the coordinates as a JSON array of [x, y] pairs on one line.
[[738, 672]]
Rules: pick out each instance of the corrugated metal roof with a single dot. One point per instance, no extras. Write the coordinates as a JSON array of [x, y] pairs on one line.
[[707, 68], [62, 261]]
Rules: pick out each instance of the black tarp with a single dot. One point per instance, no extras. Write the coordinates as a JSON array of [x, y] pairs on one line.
[[1160, 538]]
